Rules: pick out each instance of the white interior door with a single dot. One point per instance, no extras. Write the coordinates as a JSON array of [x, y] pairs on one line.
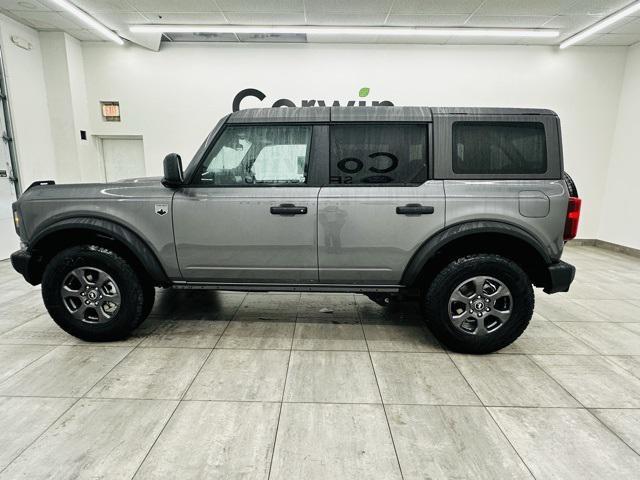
[[123, 158]]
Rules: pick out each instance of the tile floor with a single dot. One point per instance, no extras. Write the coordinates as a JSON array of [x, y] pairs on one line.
[[230, 386]]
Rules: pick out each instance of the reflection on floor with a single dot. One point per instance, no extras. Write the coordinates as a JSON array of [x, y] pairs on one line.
[[229, 385]]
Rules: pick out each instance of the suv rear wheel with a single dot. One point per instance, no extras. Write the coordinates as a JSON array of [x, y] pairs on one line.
[[479, 303], [94, 294]]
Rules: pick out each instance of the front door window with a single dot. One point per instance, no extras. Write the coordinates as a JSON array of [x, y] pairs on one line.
[[258, 155]]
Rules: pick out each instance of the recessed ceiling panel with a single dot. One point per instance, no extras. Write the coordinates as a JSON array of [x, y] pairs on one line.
[[346, 19], [48, 20], [595, 7], [289, 18], [102, 5], [253, 6], [511, 21], [454, 20], [349, 6], [614, 39], [201, 18], [524, 7], [631, 27], [174, 5], [435, 7]]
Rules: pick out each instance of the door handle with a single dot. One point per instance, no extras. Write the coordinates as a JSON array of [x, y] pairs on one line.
[[414, 209], [288, 209]]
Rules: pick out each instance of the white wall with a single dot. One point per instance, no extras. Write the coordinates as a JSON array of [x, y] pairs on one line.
[[90, 165], [173, 97], [28, 103], [76, 159], [54, 57], [620, 221]]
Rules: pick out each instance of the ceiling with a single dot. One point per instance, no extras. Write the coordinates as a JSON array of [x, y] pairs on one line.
[[568, 16]]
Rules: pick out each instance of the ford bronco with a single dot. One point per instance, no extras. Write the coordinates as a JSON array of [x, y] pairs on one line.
[[465, 209]]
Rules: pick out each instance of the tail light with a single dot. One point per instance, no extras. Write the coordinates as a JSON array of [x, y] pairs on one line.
[[573, 218]]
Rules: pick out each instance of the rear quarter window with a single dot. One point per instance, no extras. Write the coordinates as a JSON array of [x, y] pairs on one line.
[[499, 148]]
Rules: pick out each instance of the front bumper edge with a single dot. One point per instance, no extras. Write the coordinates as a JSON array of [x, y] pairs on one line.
[[21, 261]]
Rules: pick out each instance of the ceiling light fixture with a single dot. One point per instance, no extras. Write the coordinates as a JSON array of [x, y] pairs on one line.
[[321, 30], [601, 25], [89, 20]]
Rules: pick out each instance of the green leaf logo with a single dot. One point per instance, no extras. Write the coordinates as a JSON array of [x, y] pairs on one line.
[[364, 91]]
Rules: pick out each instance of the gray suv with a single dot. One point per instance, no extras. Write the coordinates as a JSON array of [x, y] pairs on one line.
[[464, 209]]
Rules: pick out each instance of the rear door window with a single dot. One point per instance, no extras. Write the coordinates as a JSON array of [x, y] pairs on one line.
[[378, 154], [499, 148]]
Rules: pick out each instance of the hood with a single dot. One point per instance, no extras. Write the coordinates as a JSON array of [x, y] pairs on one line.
[[139, 180], [144, 188]]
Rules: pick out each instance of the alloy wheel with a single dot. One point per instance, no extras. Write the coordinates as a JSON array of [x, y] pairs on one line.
[[90, 295], [480, 305]]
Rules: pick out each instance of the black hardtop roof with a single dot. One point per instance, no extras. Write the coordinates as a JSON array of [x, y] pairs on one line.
[[368, 114]]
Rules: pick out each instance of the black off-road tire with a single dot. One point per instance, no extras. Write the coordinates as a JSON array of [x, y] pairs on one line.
[[132, 293], [149, 292], [571, 185], [436, 303]]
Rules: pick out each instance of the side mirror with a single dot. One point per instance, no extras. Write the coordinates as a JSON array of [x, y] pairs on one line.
[[173, 177]]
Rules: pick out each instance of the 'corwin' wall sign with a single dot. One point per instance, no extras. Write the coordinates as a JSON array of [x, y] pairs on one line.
[[285, 102]]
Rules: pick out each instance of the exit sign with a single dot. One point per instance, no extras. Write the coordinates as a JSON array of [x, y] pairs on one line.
[[110, 111]]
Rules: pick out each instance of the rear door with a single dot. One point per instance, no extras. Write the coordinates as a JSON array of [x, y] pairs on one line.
[[378, 206], [250, 213]]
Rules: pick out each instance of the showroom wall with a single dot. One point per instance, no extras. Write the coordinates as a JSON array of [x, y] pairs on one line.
[[173, 97], [77, 160], [620, 215], [28, 102]]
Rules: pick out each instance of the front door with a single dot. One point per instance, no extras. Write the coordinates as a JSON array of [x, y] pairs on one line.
[[250, 213], [379, 206]]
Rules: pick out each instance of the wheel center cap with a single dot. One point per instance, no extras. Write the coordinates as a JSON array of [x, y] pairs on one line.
[[92, 295], [478, 305]]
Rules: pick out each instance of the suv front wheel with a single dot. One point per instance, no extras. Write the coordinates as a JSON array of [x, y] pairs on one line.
[[94, 294], [479, 303]]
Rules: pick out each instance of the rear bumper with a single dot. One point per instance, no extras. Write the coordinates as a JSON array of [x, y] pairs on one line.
[[560, 276], [22, 262]]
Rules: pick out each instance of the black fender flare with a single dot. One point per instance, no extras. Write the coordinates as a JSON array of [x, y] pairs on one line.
[[454, 232], [112, 230]]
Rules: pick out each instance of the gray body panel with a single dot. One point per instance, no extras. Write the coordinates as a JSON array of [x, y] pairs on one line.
[[229, 235], [361, 238], [504, 201], [130, 204], [351, 237]]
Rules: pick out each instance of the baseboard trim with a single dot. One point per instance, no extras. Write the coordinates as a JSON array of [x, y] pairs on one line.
[[614, 247], [582, 242]]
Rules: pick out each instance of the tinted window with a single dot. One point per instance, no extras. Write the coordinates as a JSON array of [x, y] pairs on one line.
[[378, 154], [499, 148], [253, 155]]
